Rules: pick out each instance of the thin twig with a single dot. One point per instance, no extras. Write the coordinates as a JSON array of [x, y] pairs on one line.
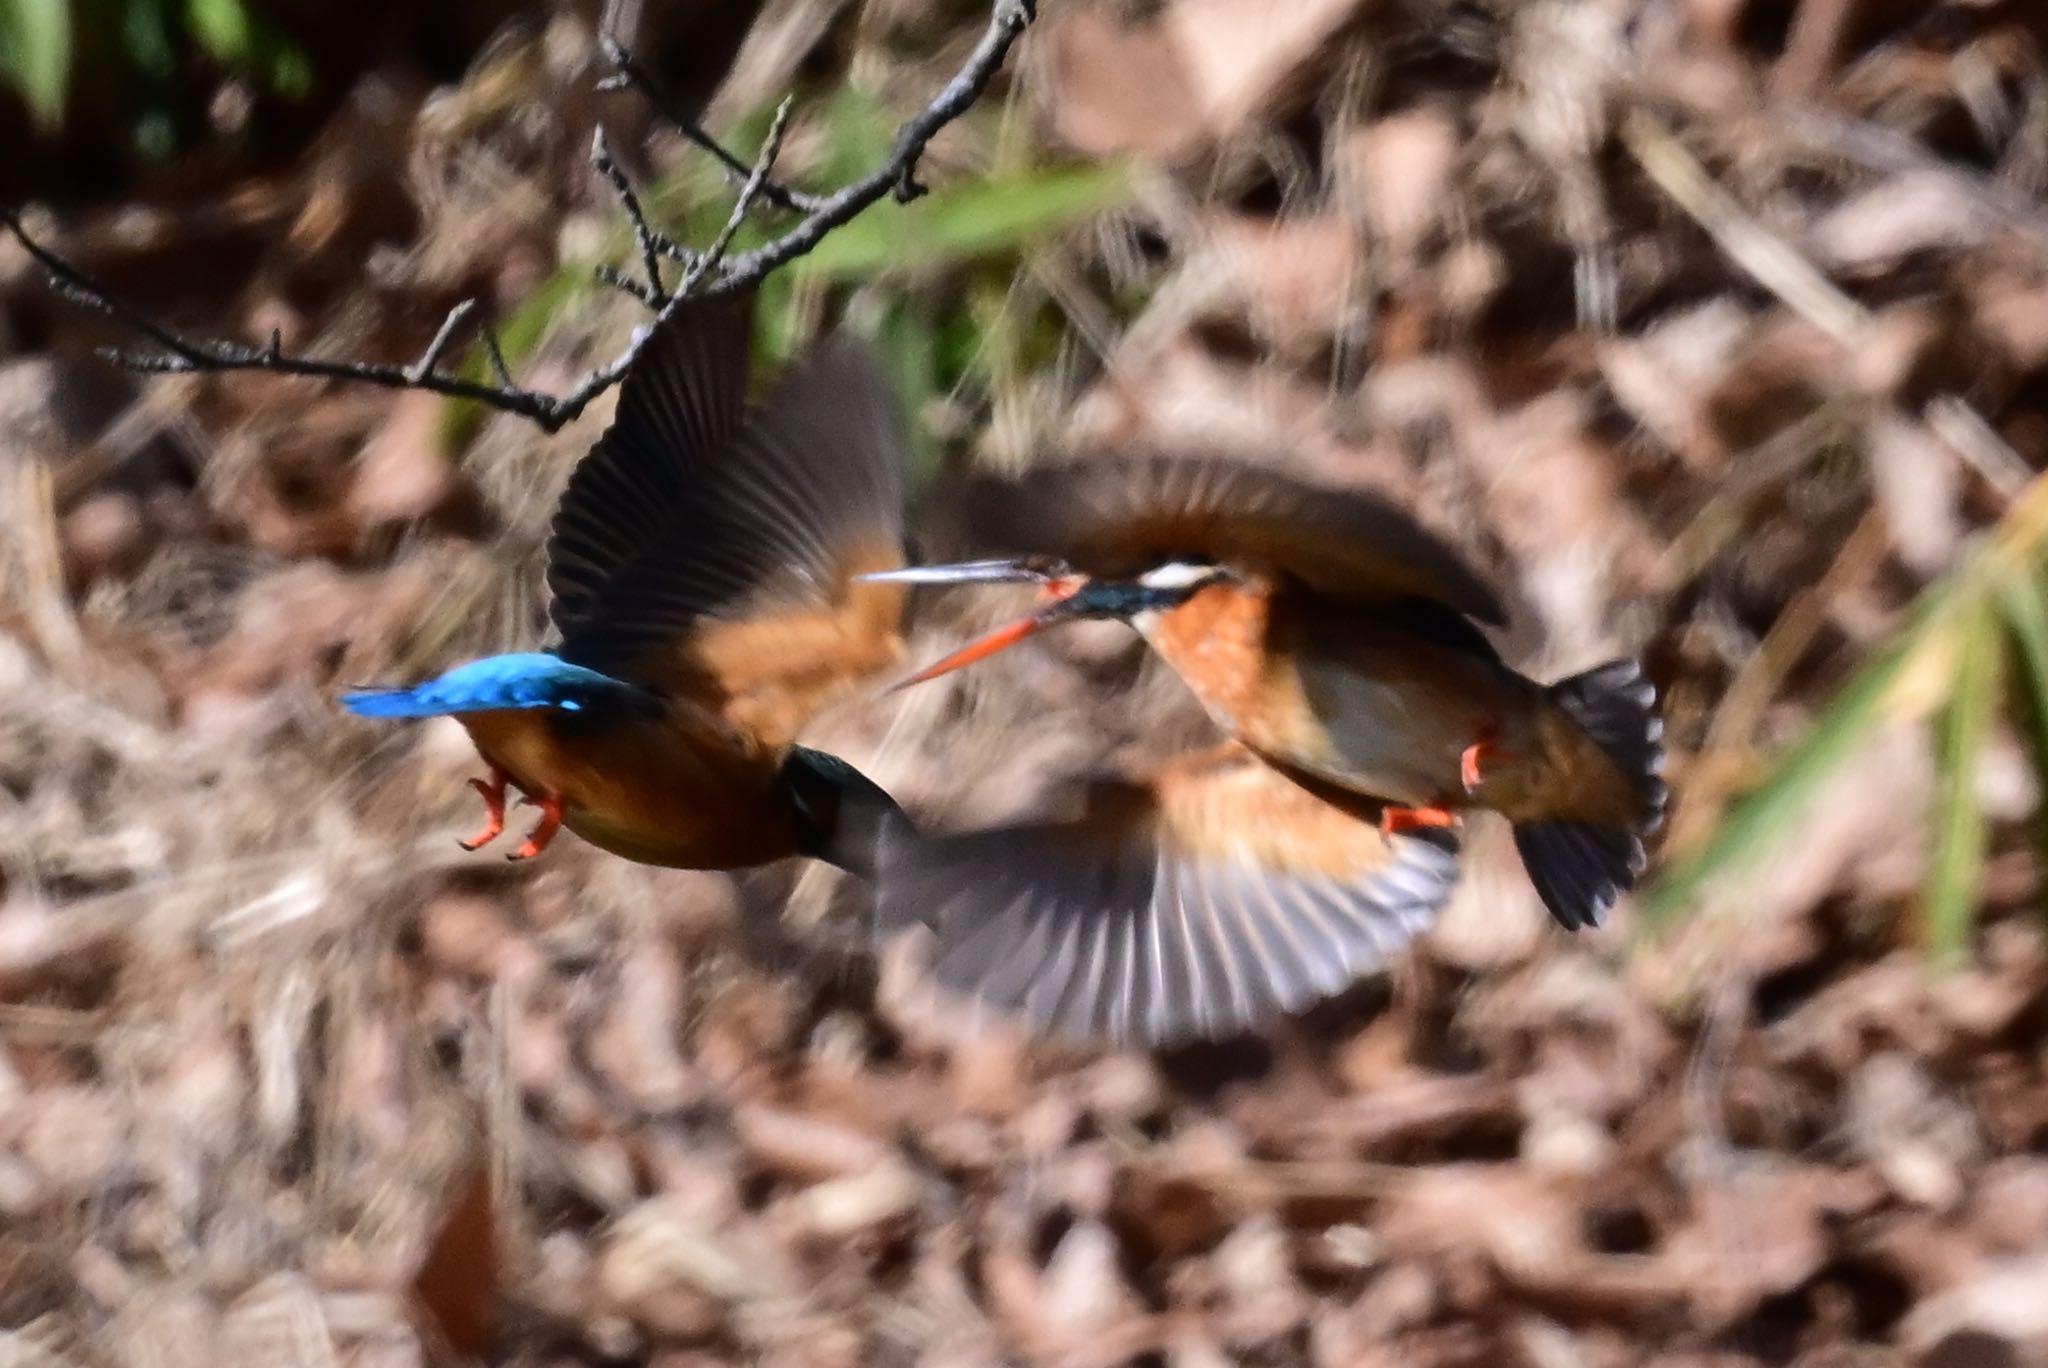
[[443, 338], [182, 355], [653, 293], [1008, 23], [497, 356], [625, 284], [629, 73], [896, 174], [771, 148]]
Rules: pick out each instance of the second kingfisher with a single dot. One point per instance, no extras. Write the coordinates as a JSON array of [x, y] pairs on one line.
[[1331, 632]]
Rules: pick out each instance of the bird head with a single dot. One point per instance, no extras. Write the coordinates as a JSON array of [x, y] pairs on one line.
[[1064, 596]]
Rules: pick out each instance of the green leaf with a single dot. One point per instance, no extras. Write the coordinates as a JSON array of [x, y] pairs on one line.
[[965, 221], [35, 54], [1955, 872], [2025, 604]]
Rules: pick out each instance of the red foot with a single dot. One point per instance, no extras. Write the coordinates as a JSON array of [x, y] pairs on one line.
[[1395, 820], [543, 831], [1477, 754], [493, 791]]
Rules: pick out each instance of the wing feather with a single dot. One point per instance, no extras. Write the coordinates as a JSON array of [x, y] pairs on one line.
[[679, 407], [1218, 893], [1112, 516], [739, 580]]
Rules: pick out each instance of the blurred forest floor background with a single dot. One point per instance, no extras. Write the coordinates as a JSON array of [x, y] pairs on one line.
[[1713, 329]]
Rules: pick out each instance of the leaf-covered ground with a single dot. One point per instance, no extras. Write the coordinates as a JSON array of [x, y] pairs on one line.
[[1715, 330]]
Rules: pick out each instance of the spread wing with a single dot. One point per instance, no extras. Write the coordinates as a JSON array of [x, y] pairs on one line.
[[1219, 893], [746, 531], [679, 407], [1112, 516]]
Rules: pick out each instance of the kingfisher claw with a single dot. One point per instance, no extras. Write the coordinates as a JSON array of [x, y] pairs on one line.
[[493, 793], [1469, 762], [544, 830], [1477, 754], [1395, 820]]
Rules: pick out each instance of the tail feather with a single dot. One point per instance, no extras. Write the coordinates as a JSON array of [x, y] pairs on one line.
[[535, 680], [1581, 868]]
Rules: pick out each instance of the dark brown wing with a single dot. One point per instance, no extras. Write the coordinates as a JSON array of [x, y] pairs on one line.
[[744, 591], [1113, 515], [679, 407], [1218, 894]]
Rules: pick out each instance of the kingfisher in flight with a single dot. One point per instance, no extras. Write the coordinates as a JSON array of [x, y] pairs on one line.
[[1337, 639], [704, 568]]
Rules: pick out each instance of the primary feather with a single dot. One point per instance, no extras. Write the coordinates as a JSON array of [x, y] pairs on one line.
[[1214, 893], [758, 537]]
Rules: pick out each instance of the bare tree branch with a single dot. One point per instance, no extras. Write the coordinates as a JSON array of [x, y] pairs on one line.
[[182, 355], [709, 272], [628, 73], [898, 172]]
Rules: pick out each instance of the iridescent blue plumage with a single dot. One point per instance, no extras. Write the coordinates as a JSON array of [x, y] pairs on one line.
[[531, 679], [701, 568]]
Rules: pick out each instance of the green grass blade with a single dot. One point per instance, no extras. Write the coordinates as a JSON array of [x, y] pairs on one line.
[[1762, 819], [1955, 868], [2024, 600]]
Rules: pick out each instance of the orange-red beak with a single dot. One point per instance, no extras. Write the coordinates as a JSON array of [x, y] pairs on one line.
[[980, 648], [1056, 584]]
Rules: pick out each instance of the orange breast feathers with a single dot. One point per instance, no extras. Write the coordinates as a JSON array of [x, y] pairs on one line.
[[1220, 642], [769, 674]]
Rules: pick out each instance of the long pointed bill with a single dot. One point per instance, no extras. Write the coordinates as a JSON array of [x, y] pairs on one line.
[[1027, 570], [1056, 583], [981, 648]]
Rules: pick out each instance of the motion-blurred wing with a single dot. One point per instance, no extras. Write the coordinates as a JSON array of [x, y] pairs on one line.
[[679, 407], [747, 594], [1113, 516], [1193, 907]]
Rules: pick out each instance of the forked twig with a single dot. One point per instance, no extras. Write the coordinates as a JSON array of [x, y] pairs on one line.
[[629, 73], [757, 181], [652, 292], [711, 272]]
